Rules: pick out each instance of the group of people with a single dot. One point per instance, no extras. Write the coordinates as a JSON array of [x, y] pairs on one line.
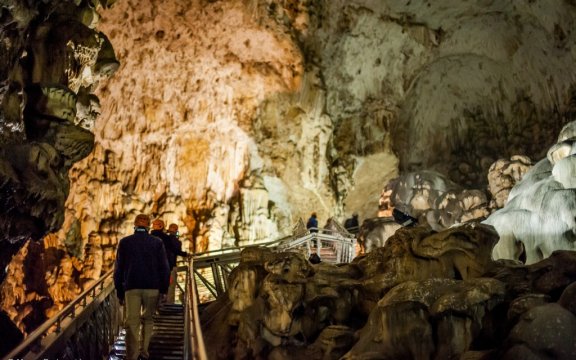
[[351, 224], [145, 276]]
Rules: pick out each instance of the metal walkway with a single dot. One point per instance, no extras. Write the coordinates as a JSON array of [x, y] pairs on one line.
[[86, 328], [211, 269], [167, 342]]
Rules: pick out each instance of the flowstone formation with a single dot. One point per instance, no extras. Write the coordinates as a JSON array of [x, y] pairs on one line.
[[312, 106], [424, 295], [54, 60], [432, 199], [539, 215]]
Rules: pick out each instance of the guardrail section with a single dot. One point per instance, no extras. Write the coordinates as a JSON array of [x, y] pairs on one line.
[[84, 329]]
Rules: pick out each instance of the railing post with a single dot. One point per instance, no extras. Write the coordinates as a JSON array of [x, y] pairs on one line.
[[217, 278]]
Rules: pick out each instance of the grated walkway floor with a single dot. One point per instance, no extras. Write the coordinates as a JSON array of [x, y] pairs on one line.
[[167, 341]]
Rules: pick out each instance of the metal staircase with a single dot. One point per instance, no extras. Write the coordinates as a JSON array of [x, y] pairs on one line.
[[167, 341], [168, 336], [85, 328]]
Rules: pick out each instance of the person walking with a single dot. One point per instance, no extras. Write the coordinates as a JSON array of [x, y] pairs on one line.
[[352, 225], [312, 224], [158, 231], [176, 251], [141, 280]]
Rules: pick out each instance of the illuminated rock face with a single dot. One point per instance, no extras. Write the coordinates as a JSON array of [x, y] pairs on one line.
[[539, 216], [236, 118], [179, 138]]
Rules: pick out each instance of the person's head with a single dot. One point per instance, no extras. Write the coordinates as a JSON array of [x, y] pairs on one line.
[[314, 258], [313, 215], [157, 224], [142, 221], [355, 214], [173, 229]]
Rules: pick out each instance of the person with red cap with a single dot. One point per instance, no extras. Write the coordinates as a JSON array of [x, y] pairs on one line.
[[141, 279], [175, 250]]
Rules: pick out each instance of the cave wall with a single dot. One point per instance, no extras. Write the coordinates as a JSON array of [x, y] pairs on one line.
[[236, 118], [314, 106]]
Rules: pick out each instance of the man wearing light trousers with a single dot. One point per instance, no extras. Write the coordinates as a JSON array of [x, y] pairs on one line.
[[141, 279]]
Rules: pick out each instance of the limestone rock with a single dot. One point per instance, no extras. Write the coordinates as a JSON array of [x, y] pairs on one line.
[[424, 295], [568, 298], [434, 199], [375, 232], [315, 104], [401, 327], [539, 215], [503, 175], [461, 252], [50, 50], [546, 329]]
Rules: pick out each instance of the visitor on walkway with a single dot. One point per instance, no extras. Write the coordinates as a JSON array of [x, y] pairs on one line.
[[176, 250], [141, 280], [352, 225], [158, 231], [312, 224], [172, 249]]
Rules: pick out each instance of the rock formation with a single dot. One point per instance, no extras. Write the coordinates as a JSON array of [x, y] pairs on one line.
[[236, 118], [424, 295], [242, 139], [539, 215], [53, 60]]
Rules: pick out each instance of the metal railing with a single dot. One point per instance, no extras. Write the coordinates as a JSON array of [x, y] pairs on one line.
[[65, 334], [76, 322], [343, 244], [193, 340], [212, 268]]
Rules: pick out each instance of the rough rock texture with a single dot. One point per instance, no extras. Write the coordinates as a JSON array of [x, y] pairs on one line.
[[424, 295], [236, 118], [53, 58], [239, 139]]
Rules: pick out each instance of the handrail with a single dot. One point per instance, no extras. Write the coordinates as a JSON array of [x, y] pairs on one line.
[[194, 347], [69, 310], [240, 248], [275, 241]]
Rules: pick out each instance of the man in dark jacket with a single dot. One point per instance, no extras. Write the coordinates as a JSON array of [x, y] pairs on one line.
[[171, 249], [176, 251], [352, 225], [141, 278]]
